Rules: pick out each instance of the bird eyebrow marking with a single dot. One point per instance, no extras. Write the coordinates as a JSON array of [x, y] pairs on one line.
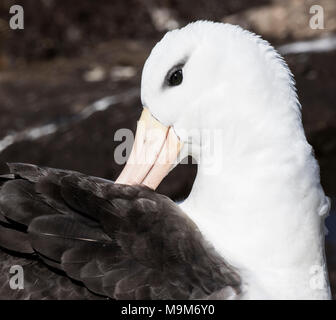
[[177, 66]]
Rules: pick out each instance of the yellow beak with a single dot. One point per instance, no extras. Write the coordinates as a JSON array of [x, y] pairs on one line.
[[155, 150]]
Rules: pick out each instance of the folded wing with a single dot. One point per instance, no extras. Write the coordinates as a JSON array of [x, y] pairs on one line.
[[119, 241]]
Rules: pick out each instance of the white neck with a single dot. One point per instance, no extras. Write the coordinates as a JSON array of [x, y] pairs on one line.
[[264, 211]]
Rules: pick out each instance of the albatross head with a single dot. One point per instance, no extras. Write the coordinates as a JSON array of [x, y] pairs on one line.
[[212, 91]]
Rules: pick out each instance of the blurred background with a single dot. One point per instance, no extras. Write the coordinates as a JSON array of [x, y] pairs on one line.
[[71, 78]]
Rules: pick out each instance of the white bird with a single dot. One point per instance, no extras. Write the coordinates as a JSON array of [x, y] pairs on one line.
[[225, 97], [257, 197]]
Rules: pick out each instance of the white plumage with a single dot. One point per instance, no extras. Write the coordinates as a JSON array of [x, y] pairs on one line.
[[257, 198]]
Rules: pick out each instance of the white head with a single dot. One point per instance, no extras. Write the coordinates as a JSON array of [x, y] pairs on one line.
[[213, 77], [232, 80]]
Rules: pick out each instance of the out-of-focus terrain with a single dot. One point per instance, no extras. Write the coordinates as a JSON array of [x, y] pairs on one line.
[[71, 78]]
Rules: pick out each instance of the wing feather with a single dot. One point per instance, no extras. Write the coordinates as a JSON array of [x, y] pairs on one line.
[[124, 242]]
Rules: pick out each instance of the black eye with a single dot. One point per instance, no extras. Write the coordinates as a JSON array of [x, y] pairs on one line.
[[175, 78]]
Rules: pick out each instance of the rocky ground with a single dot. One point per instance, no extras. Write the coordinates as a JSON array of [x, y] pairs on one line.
[[68, 58]]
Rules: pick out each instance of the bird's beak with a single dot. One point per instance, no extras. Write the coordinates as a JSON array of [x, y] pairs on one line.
[[155, 150]]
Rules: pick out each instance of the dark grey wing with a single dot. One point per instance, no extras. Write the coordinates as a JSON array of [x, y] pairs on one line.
[[124, 242], [39, 281]]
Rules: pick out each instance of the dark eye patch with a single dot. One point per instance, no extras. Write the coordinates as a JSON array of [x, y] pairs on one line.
[[174, 76]]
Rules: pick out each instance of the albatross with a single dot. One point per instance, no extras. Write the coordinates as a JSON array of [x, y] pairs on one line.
[[253, 224]]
